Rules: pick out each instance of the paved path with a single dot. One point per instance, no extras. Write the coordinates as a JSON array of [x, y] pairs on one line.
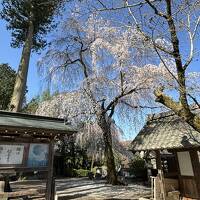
[[85, 189]]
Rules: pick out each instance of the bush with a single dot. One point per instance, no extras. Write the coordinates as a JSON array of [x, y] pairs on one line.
[[138, 167], [94, 169], [80, 172]]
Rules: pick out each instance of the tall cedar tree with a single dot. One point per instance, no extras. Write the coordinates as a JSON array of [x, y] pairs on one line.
[[29, 21], [7, 80]]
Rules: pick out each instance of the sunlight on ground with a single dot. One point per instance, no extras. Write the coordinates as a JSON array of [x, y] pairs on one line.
[[85, 189]]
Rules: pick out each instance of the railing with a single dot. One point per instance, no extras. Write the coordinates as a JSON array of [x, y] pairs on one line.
[[164, 188]]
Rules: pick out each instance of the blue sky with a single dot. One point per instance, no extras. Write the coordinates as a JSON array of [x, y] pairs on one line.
[[12, 57]]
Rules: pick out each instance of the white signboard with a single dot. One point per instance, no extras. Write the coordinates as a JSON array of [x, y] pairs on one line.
[[11, 154], [185, 163]]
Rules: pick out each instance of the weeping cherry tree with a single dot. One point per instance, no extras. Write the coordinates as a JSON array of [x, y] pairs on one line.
[[104, 64]]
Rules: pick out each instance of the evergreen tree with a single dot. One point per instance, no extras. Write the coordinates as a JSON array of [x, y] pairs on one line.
[[32, 106], [7, 81], [29, 21], [46, 95]]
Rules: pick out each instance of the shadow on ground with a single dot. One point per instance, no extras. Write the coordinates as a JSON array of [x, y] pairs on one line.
[[85, 189]]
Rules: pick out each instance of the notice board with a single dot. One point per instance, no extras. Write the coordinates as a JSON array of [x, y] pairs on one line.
[[33, 155]]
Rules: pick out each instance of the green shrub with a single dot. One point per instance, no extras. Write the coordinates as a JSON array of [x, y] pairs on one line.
[[94, 169], [138, 167], [80, 172]]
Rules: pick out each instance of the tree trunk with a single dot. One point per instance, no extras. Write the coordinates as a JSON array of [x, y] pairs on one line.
[[182, 107], [73, 154], [92, 162], [21, 79], [110, 161]]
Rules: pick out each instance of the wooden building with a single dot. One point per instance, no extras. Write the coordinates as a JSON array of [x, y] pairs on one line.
[[27, 144], [176, 147]]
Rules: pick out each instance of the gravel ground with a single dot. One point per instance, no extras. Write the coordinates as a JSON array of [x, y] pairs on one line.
[[85, 189]]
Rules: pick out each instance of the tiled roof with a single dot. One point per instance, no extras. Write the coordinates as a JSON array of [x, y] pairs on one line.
[[165, 131]]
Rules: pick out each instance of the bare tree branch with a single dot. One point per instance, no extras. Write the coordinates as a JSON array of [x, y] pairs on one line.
[[157, 12], [139, 106], [165, 65], [117, 98], [105, 8], [191, 37], [148, 38], [194, 99]]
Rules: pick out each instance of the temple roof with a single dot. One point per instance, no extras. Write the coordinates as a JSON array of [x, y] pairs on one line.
[[165, 131], [33, 122]]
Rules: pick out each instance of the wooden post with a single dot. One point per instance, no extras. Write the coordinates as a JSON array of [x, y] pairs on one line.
[[158, 160], [50, 187], [180, 181], [162, 184], [196, 169], [160, 174], [152, 187]]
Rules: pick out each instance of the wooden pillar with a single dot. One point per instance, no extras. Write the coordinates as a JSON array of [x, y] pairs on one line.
[[160, 175], [50, 186], [158, 160], [196, 169]]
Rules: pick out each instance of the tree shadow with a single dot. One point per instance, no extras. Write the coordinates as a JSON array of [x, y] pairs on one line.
[[73, 196]]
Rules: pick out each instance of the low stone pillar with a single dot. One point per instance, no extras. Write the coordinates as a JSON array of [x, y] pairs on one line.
[[174, 195]]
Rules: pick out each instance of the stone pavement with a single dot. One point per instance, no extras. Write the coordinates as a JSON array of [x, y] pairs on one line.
[[85, 189]]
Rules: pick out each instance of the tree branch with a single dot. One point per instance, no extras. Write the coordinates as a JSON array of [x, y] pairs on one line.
[[162, 60], [157, 12], [112, 111], [120, 7], [147, 38], [122, 81], [117, 98], [143, 107], [194, 99], [167, 101], [191, 37]]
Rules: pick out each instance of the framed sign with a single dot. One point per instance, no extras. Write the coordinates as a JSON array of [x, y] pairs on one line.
[[11, 154], [38, 155], [185, 163]]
